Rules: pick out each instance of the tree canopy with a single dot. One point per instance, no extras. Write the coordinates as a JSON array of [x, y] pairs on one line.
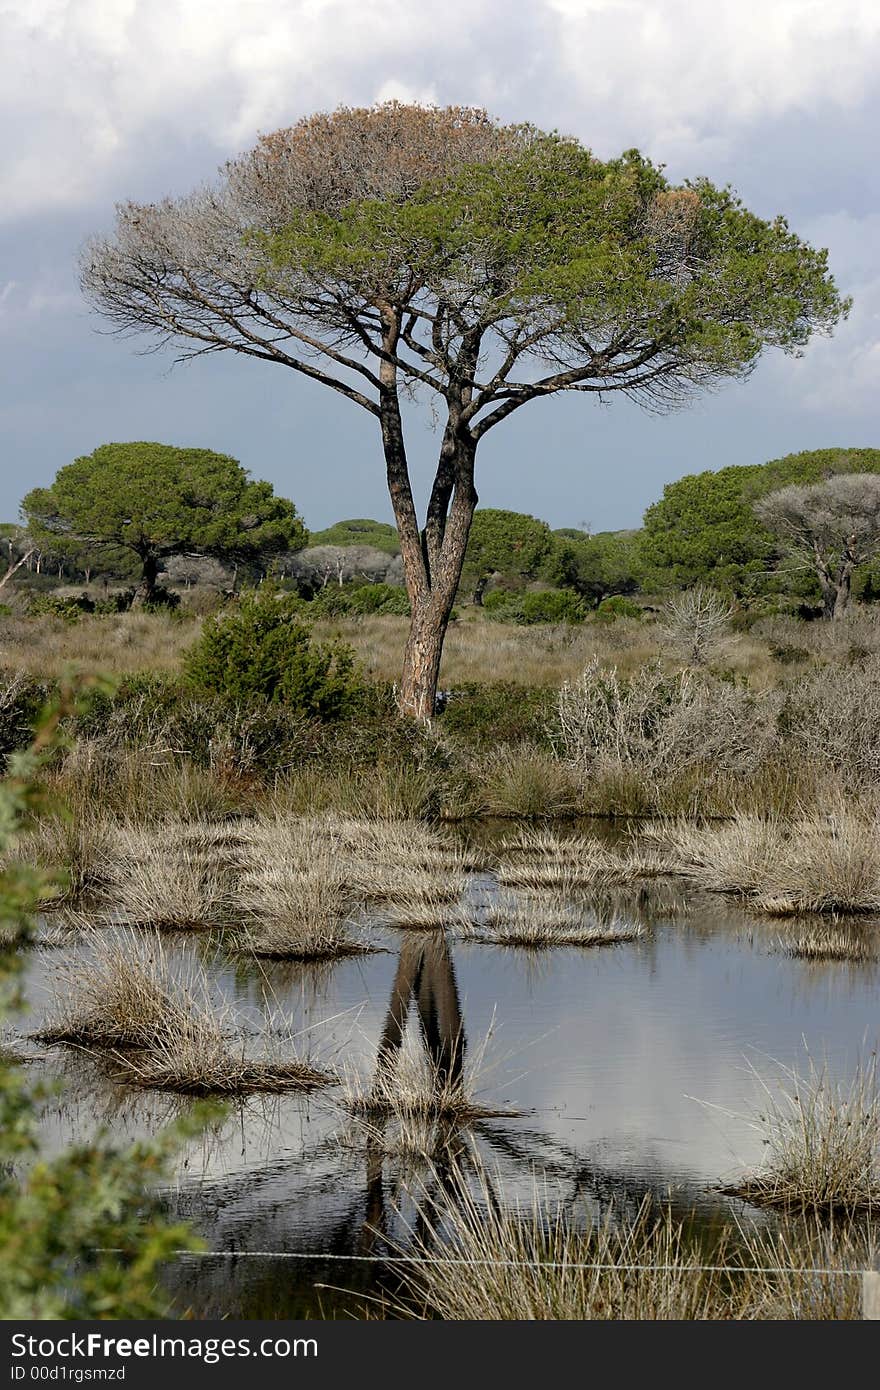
[[381, 535], [156, 500], [405, 249], [703, 529], [596, 565], [830, 527]]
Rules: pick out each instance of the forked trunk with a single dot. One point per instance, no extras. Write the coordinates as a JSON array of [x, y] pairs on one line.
[[433, 558]]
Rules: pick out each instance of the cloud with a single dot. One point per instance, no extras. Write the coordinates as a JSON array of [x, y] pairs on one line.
[[88, 85]]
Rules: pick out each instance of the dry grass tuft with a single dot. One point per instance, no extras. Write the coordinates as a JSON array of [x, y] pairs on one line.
[[216, 1072], [813, 863], [523, 780], [474, 1257], [823, 1141], [417, 914], [167, 888], [122, 994], [539, 924], [298, 913], [411, 1087], [156, 1029], [487, 1262]]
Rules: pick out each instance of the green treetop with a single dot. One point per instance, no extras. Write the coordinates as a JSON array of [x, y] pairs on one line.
[[155, 500], [508, 543], [704, 528]]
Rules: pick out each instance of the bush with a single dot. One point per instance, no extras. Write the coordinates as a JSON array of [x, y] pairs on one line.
[[661, 725], [68, 607], [162, 600], [263, 650], [529, 609], [21, 700], [486, 715], [360, 599], [616, 606], [118, 602]]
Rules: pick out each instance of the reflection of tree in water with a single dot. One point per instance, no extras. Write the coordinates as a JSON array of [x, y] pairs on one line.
[[425, 978]]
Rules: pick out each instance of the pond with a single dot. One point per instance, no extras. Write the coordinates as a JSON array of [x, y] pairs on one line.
[[617, 1071]]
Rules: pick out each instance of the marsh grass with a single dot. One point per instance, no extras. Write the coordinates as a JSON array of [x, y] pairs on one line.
[[524, 780], [298, 914], [166, 888], [389, 885], [474, 1257], [74, 849], [831, 941], [486, 1261], [821, 863], [409, 1086], [417, 914], [120, 994], [540, 923], [153, 1027], [823, 1144]]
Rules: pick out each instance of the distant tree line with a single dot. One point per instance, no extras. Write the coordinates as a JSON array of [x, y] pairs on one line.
[[804, 528]]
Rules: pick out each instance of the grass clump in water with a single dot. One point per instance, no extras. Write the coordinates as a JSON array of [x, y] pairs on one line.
[[298, 914], [538, 924], [813, 863], [823, 1144], [157, 1029]]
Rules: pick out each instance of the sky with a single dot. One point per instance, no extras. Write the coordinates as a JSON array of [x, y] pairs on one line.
[[107, 100]]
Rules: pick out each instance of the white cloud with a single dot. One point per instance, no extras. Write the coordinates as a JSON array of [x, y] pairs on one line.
[[842, 374], [87, 83]]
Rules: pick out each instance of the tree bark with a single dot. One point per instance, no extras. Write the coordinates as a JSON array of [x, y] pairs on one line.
[[147, 585], [432, 558], [431, 601], [844, 590]]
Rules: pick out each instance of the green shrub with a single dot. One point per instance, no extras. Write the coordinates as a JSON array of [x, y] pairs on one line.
[[343, 600], [68, 607], [118, 602], [616, 606], [21, 699], [481, 716], [529, 609], [263, 650]]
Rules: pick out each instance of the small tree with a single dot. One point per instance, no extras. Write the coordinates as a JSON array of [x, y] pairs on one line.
[[502, 542], [402, 249], [696, 623], [155, 500], [831, 527], [263, 650]]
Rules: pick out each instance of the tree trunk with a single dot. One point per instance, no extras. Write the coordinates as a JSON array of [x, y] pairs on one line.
[[433, 558], [480, 589], [438, 564], [421, 660], [147, 586], [842, 597], [829, 598]]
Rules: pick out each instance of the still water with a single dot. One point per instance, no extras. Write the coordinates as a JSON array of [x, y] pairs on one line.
[[618, 1071]]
